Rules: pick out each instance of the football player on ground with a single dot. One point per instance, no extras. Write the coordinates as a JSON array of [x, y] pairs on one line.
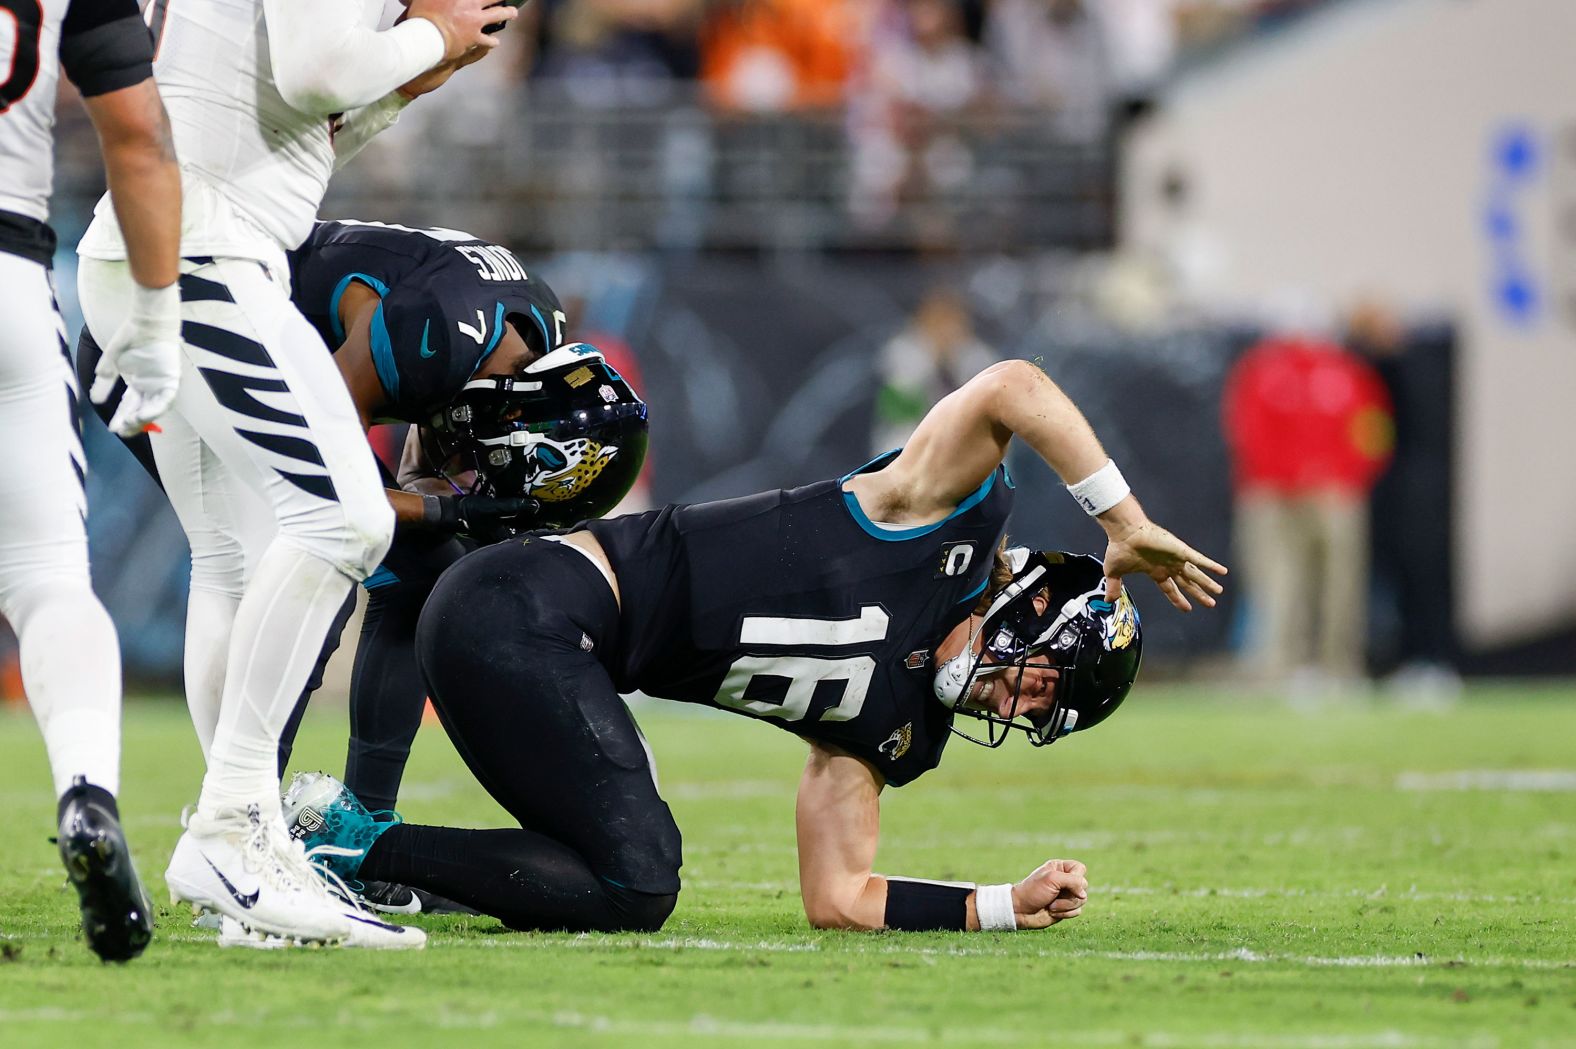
[[421, 319], [45, 592], [266, 97], [862, 614]]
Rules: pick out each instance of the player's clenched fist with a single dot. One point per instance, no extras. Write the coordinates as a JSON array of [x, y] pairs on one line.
[[461, 22], [1055, 892]]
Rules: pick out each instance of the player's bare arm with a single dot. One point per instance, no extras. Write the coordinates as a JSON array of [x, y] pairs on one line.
[[145, 188], [144, 178], [965, 437], [838, 820], [418, 472]]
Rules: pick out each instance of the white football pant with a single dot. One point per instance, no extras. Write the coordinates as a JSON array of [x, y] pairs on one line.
[[70, 654], [263, 419]]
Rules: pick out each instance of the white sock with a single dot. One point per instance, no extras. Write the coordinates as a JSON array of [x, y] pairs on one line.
[[209, 619], [71, 674], [290, 603]]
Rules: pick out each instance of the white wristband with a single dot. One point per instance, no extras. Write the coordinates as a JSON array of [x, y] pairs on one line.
[[1101, 490], [993, 904]]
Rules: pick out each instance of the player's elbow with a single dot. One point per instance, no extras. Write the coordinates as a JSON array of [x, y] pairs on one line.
[[830, 910], [1005, 378], [1002, 392], [822, 917], [133, 148]]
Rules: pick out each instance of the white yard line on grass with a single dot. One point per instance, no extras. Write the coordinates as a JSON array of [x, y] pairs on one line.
[[1379, 894], [735, 1031], [1555, 780], [885, 946]]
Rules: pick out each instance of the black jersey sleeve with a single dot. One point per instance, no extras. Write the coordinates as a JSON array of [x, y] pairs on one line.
[[105, 46], [428, 339]]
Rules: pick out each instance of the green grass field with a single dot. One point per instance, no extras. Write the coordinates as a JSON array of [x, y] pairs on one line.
[[1355, 876]]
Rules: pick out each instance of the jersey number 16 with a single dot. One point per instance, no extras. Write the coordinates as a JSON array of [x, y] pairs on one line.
[[752, 678]]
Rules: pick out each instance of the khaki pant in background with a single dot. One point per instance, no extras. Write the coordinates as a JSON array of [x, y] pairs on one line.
[[1305, 563]]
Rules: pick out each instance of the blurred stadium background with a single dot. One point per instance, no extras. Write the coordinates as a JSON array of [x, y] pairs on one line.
[[1309, 266]]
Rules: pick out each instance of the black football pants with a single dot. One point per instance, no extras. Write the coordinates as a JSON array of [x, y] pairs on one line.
[[510, 645]]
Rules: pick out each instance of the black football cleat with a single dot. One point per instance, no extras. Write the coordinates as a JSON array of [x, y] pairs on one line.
[[392, 898], [434, 904], [386, 897], [117, 915]]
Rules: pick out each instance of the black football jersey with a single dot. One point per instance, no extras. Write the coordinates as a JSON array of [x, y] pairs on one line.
[[446, 296], [794, 608]]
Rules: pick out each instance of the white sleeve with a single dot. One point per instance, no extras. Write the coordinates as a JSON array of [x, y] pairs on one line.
[[363, 125], [325, 60]]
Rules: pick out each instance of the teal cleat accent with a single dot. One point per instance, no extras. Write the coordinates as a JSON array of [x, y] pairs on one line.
[[331, 822]]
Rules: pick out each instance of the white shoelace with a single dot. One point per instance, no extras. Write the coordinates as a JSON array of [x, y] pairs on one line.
[[331, 882], [279, 860]]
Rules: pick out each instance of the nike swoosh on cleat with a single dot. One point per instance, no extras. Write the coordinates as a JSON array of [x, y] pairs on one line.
[[424, 351], [385, 926], [247, 901]]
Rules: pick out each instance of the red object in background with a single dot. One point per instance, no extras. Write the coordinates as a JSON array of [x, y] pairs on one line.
[[622, 358], [388, 443], [1302, 416], [11, 692]]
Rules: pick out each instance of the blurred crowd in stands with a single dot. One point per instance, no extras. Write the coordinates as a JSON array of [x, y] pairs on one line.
[[892, 101], [897, 55]]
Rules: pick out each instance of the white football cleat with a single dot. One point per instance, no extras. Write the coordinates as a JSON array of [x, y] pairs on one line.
[[251, 871], [233, 934], [366, 932]]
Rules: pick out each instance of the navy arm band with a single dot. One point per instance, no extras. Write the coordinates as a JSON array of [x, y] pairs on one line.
[[103, 56], [926, 906]]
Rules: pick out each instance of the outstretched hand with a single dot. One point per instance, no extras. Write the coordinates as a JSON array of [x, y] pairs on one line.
[[1056, 891], [1178, 569]]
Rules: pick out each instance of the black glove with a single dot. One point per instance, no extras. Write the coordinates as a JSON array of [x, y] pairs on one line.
[[482, 516]]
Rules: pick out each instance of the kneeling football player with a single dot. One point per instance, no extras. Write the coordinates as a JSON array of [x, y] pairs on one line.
[[422, 322], [864, 614]]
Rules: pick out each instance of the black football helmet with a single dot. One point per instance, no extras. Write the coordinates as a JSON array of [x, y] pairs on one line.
[[569, 432], [1094, 644]]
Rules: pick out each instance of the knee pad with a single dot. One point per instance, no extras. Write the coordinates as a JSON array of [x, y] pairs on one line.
[[373, 530], [650, 859], [353, 536], [54, 603], [640, 911], [218, 563]]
